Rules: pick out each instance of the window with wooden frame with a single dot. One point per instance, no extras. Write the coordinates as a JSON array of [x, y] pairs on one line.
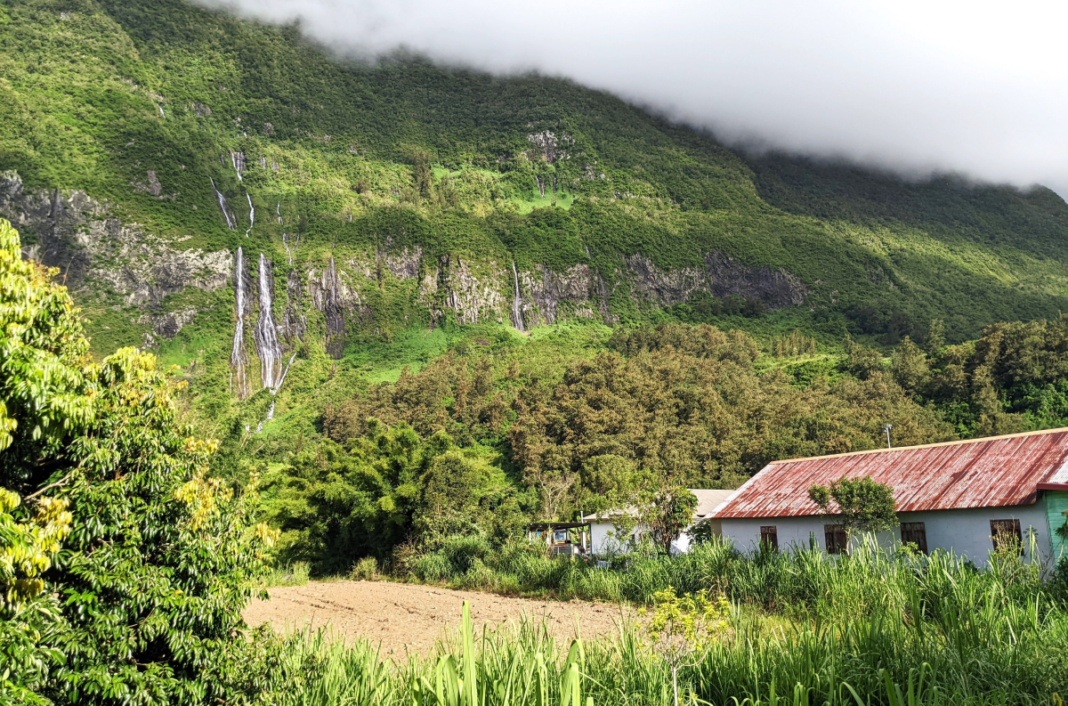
[[1006, 534], [769, 537], [914, 533], [836, 538]]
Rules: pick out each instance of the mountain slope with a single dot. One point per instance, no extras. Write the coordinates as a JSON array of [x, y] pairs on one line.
[[145, 142]]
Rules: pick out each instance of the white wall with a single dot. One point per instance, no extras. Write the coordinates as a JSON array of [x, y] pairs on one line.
[[965, 532], [601, 543]]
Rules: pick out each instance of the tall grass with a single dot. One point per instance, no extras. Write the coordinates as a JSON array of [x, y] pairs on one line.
[[877, 627]]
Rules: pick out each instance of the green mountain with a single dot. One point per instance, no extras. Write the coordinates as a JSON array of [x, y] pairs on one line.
[[151, 150]]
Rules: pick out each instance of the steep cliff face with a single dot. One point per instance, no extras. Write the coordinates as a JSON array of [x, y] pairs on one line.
[[580, 286], [721, 277], [94, 251], [97, 252], [334, 296]]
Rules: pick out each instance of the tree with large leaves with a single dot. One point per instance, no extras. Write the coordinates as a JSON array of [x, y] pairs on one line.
[[143, 602]]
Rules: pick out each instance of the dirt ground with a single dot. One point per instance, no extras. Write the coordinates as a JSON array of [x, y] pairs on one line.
[[408, 619]]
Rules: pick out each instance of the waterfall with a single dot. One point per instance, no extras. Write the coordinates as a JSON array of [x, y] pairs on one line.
[[289, 253], [238, 356], [517, 312], [267, 346], [221, 200], [234, 161], [251, 215], [278, 210]]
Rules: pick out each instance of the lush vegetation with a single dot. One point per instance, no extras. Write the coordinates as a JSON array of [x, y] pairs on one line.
[[418, 447], [126, 562], [142, 604], [871, 628], [359, 158]]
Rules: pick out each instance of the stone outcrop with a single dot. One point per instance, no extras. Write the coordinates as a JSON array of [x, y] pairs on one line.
[[167, 325], [294, 322], [544, 291], [473, 295], [721, 277], [75, 234], [333, 295], [405, 264]]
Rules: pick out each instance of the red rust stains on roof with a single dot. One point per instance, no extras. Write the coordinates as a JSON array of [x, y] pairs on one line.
[[994, 472]]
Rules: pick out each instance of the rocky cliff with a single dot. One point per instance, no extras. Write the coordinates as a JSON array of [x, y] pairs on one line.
[[333, 297]]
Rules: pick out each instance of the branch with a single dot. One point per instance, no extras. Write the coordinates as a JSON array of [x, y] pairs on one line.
[[59, 483]]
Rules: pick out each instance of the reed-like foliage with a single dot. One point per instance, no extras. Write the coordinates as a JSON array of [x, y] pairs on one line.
[[877, 627]]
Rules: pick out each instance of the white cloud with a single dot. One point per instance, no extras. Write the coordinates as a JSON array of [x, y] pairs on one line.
[[912, 85]]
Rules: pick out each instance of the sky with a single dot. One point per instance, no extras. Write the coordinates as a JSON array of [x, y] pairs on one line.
[[914, 86]]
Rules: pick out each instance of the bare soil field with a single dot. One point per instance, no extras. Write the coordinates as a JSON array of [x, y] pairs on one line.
[[409, 619]]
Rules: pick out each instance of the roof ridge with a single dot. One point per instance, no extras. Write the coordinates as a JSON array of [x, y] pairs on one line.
[[957, 442]]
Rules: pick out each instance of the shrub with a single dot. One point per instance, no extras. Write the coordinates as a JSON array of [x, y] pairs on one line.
[[365, 569]]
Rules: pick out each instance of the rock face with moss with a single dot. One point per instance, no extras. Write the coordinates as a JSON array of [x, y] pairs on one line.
[[75, 233]]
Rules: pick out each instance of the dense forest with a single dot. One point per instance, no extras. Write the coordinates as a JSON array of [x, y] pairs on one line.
[[493, 433]]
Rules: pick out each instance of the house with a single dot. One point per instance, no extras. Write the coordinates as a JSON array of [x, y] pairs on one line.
[[963, 496], [561, 538], [605, 539]]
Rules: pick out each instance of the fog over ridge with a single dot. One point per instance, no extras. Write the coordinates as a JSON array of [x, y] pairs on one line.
[[975, 88]]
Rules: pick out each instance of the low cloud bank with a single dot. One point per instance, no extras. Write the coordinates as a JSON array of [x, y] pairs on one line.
[[912, 86]]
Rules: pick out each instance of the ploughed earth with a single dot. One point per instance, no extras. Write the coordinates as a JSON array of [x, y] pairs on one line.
[[408, 619]]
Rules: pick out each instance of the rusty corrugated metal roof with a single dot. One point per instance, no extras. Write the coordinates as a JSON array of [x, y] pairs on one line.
[[994, 472]]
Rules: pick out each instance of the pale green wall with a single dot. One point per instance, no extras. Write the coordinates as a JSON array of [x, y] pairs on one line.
[[1056, 507]]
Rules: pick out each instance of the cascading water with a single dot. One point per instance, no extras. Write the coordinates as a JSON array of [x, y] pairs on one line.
[[238, 160], [267, 346], [278, 210], [289, 253], [238, 357], [221, 200], [517, 312], [251, 215]]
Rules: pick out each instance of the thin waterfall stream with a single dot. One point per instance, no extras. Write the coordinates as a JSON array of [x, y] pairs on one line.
[[221, 200], [517, 312], [238, 378], [251, 215], [267, 346]]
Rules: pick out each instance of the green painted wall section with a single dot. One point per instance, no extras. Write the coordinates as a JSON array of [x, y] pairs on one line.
[[1057, 513]]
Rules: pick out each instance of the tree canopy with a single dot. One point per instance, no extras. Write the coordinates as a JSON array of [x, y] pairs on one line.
[[144, 598]]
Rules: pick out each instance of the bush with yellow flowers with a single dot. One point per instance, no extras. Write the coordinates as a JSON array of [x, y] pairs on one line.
[[682, 627]]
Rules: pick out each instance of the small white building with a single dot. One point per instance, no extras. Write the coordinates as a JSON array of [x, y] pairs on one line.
[[964, 496], [605, 538]]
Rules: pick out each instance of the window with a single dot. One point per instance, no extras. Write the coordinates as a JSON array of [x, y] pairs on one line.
[[1005, 534], [769, 537], [914, 533], [837, 540]]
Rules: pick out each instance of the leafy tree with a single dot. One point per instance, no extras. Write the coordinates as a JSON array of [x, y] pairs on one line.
[[862, 504], [336, 505], [909, 366], [160, 558], [27, 549], [860, 361], [666, 510]]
